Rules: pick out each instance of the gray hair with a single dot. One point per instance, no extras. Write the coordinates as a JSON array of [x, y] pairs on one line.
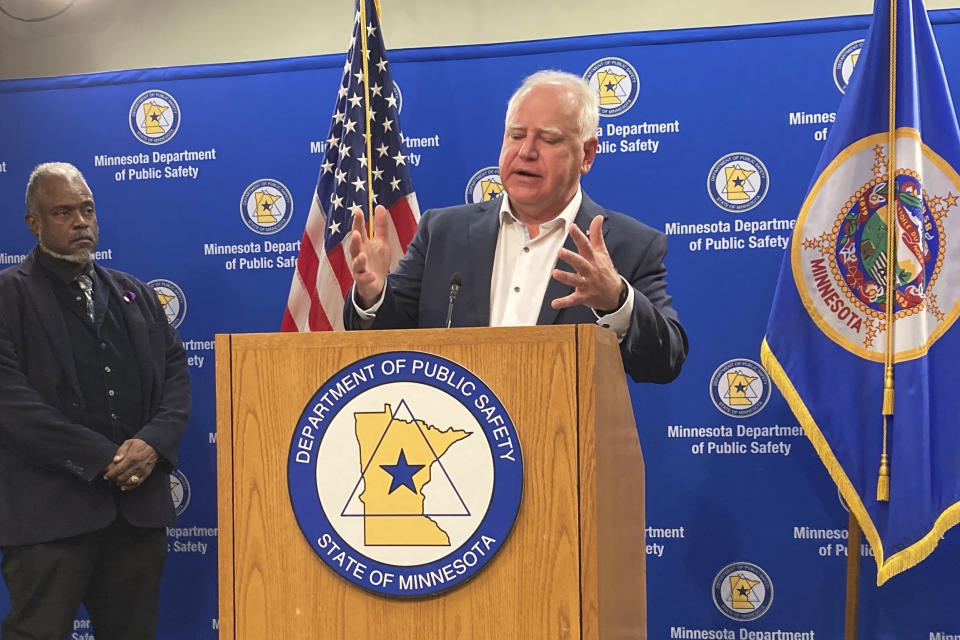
[[588, 118], [46, 170]]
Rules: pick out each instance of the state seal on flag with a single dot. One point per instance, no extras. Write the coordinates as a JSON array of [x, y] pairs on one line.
[[840, 258], [154, 117], [405, 474]]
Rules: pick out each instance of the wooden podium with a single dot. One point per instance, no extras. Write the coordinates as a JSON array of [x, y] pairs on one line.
[[573, 565]]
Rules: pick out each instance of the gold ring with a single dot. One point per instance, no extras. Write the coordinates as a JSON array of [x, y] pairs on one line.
[[134, 479]]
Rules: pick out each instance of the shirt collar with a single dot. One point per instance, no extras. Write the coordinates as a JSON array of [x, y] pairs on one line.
[[565, 217], [61, 269]]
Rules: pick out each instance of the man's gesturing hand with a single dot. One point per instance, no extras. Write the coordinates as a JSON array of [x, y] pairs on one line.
[[369, 258], [595, 281]]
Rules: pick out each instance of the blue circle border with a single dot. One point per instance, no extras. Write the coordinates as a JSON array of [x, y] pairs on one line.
[[497, 523]]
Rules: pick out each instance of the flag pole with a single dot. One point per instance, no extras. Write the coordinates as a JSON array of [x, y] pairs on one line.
[[368, 123], [852, 602], [852, 605], [883, 478]]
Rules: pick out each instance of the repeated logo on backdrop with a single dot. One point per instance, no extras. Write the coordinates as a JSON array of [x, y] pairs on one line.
[[742, 591], [179, 491], [844, 64], [616, 83], [740, 388], [266, 206], [172, 300], [483, 185], [397, 96], [738, 182], [154, 117]]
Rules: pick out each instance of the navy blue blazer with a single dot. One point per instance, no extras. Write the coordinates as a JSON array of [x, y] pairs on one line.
[[50, 463], [464, 239]]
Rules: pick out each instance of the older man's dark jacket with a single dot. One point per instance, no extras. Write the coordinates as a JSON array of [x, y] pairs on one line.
[[51, 464]]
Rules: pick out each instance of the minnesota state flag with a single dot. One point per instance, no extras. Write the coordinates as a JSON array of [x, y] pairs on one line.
[[870, 284]]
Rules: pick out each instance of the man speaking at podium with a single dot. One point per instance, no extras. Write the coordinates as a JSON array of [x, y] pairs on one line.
[[495, 263]]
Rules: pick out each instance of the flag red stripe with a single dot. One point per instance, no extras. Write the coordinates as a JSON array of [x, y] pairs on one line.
[[404, 221], [338, 262], [308, 265]]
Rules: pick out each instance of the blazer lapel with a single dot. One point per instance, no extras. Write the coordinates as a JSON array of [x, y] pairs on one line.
[[556, 289], [481, 247], [50, 318]]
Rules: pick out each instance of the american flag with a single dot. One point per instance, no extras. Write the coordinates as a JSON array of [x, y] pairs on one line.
[[347, 176]]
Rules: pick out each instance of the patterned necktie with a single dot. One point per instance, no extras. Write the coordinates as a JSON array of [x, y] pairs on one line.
[[86, 285]]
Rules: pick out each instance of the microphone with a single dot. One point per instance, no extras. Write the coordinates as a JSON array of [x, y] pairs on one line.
[[455, 283]]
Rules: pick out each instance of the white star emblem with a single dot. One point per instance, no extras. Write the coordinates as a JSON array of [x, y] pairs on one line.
[[387, 124], [358, 184], [395, 183], [400, 159]]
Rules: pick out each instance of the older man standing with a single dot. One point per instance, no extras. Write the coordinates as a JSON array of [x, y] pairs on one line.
[[94, 399], [611, 267]]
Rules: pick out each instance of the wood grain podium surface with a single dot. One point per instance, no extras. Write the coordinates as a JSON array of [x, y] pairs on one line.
[[273, 585]]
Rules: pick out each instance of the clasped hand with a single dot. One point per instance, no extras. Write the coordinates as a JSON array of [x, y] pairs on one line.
[[133, 462]]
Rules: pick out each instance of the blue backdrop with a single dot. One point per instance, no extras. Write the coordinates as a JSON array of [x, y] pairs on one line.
[[732, 484]]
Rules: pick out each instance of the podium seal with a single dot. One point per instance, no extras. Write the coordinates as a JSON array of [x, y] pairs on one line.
[[405, 474]]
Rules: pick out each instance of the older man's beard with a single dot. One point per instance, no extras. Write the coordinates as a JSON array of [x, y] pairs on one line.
[[83, 256]]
